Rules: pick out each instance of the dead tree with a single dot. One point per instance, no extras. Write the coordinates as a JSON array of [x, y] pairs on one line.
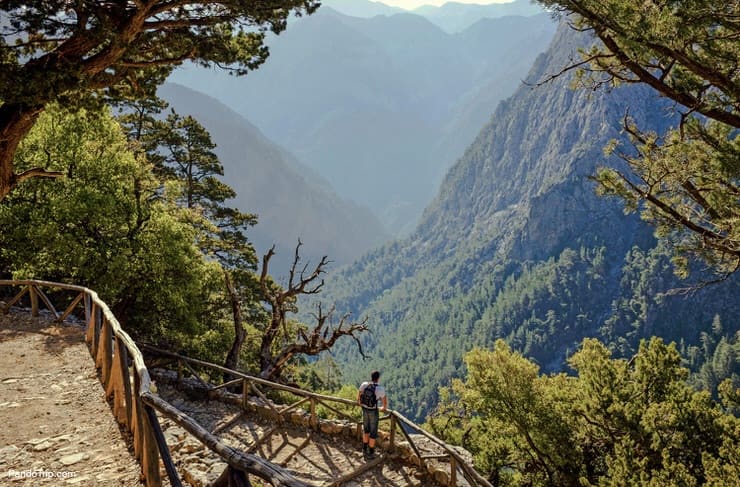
[[282, 301]]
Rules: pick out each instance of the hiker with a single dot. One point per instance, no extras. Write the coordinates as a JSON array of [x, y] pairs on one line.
[[369, 395]]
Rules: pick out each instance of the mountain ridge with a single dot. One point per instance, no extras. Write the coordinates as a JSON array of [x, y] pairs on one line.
[[451, 17], [517, 245], [292, 201], [383, 119]]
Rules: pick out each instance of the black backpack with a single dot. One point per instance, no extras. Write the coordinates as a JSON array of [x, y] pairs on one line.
[[367, 398]]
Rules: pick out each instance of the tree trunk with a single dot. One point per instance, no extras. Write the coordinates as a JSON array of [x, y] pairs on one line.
[[271, 372], [267, 366], [240, 334], [16, 120]]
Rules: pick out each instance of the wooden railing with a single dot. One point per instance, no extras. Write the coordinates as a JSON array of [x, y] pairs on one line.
[[135, 403], [127, 383], [250, 385]]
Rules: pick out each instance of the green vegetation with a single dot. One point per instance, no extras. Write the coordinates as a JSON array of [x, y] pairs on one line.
[[78, 53], [156, 241], [421, 327], [516, 253], [518, 246], [109, 225], [617, 422], [685, 179]]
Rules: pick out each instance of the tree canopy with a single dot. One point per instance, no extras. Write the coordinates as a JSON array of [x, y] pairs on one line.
[[685, 180], [73, 52], [618, 422], [104, 226]]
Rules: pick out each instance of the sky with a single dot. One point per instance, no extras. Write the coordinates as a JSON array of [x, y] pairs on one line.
[[411, 4]]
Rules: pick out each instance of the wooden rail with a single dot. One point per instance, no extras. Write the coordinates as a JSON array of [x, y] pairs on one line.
[[127, 384], [250, 384]]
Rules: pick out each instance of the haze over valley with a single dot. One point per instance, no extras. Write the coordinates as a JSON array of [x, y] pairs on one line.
[[381, 107]]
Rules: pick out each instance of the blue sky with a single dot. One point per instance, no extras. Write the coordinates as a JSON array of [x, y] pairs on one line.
[[411, 4]]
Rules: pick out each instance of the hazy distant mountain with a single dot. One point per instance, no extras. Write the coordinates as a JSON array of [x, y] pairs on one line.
[[367, 103], [361, 8], [514, 57], [451, 17], [290, 200], [455, 17], [518, 246]]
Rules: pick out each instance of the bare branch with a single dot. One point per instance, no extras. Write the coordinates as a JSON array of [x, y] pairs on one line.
[[690, 290], [282, 301], [570, 67], [37, 172], [321, 338]]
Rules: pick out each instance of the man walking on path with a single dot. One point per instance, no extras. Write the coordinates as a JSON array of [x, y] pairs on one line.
[[369, 395]]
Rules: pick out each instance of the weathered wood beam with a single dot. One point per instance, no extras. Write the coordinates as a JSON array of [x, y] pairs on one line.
[[164, 450], [218, 429], [356, 473], [15, 299], [46, 301], [71, 307], [251, 464]]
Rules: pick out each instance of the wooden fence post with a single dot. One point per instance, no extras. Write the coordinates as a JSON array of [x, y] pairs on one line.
[[126, 382], [163, 450], [392, 439], [34, 300], [90, 333], [137, 418], [115, 385], [88, 309], [453, 471], [105, 352], [150, 456], [314, 420], [96, 332], [245, 394]]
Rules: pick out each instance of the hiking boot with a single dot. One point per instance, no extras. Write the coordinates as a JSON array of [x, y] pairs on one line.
[[370, 455]]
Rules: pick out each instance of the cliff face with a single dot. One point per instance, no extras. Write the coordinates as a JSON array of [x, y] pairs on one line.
[[524, 180], [517, 245]]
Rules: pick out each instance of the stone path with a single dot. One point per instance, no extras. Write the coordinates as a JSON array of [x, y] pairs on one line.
[[311, 456], [57, 429], [55, 426]]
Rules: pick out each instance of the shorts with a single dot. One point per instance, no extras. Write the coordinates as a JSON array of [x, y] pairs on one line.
[[370, 419]]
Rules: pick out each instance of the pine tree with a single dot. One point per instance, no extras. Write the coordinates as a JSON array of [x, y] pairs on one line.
[[685, 180]]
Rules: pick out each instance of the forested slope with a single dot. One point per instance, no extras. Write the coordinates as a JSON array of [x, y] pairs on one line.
[[518, 246]]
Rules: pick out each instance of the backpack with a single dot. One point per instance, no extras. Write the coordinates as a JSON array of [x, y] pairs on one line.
[[367, 398]]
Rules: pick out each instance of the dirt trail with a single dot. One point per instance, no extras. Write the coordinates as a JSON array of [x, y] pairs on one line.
[[57, 429], [55, 426]]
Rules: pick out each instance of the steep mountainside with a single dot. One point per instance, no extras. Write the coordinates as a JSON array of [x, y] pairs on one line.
[[290, 200], [517, 246], [366, 102]]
